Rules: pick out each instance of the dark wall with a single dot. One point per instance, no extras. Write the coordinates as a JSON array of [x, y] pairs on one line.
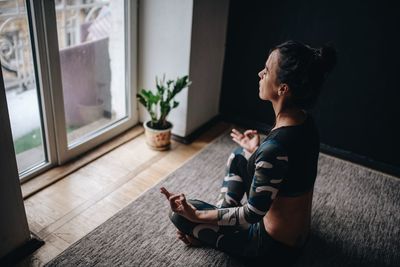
[[358, 109]]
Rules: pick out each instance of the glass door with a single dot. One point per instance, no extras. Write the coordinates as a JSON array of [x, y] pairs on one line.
[[93, 73], [92, 48], [23, 91], [69, 69]]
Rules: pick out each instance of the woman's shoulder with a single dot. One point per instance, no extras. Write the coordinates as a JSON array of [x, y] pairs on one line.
[[271, 147], [287, 136]]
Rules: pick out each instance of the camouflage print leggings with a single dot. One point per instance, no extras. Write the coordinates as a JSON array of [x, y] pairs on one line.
[[249, 242]]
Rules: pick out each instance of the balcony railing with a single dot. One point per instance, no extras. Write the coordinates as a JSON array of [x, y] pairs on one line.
[[15, 43]]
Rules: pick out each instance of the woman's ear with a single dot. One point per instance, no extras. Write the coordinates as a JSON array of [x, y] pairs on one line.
[[283, 89]]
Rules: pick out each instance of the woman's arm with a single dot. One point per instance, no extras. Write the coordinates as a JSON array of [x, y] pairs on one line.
[[271, 168], [207, 216]]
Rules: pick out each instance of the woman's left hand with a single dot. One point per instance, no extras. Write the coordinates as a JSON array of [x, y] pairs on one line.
[[249, 140], [179, 205]]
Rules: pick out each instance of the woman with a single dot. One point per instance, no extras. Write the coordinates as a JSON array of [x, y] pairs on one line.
[[277, 176]]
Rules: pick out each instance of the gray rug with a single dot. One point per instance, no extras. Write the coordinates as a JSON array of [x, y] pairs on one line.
[[355, 220]]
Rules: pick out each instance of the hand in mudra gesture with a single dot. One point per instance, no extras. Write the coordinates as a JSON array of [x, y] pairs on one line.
[[179, 204], [249, 140]]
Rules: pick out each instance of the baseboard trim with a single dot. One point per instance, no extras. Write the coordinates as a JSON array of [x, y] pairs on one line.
[[333, 151], [361, 160], [12, 258], [196, 133]]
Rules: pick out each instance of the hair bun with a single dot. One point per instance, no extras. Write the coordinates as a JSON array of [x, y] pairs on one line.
[[328, 57]]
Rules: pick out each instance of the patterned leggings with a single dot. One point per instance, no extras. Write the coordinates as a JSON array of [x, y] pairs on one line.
[[249, 242]]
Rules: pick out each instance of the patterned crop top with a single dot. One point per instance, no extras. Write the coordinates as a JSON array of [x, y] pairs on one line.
[[301, 146], [285, 164]]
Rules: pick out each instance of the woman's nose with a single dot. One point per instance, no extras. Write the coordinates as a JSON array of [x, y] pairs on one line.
[[260, 74]]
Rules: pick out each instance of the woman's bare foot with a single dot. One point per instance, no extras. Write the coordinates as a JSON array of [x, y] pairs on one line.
[[188, 240]]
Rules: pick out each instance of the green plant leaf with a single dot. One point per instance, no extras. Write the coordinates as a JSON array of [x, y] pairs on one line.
[[161, 99], [141, 99]]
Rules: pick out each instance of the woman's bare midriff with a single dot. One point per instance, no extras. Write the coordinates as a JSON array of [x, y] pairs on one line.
[[288, 220]]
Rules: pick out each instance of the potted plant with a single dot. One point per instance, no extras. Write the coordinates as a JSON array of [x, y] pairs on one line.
[[159, 104]]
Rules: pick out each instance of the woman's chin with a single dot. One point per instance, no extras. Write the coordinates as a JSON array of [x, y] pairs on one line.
[[262, 97]]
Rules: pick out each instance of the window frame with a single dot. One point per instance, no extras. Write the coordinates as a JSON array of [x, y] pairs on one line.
[[44, 40]]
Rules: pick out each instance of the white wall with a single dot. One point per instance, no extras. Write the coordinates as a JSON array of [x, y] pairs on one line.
[[14, 230], [179, 37], [164, 47], [210, 19]]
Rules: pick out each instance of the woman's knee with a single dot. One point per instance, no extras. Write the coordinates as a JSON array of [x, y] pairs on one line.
[[180, 222], [184, 225], [238, 151], [237, 160]]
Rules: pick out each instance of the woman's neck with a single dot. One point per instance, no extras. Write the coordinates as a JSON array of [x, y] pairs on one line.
[[290, 116]]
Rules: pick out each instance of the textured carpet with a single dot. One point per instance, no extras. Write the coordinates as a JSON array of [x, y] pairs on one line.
[[355, 220]]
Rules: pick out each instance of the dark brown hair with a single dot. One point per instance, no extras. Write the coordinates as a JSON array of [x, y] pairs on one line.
[[304, 69]]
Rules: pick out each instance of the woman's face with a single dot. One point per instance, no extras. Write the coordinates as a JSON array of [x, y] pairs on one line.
[[268, 80]]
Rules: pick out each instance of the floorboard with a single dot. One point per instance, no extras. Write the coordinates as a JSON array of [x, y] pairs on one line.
[[73, 206]]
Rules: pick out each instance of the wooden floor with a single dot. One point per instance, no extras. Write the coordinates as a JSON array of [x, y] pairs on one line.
[[69, 209]]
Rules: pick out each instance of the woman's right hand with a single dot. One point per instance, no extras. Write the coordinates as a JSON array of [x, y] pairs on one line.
[[249, 140]]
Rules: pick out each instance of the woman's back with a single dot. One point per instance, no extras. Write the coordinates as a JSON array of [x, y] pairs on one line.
[[288, 219]]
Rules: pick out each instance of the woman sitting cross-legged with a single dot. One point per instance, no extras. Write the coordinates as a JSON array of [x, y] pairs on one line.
[[276, 175]]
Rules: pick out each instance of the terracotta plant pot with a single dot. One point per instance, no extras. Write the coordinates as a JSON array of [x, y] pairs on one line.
[[157, 139]]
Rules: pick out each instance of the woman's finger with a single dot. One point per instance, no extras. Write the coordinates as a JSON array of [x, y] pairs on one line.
[[174, 197], [190, 204], [236, 136], [237, 132], [184, 202], [250, 132], [164, 191]]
